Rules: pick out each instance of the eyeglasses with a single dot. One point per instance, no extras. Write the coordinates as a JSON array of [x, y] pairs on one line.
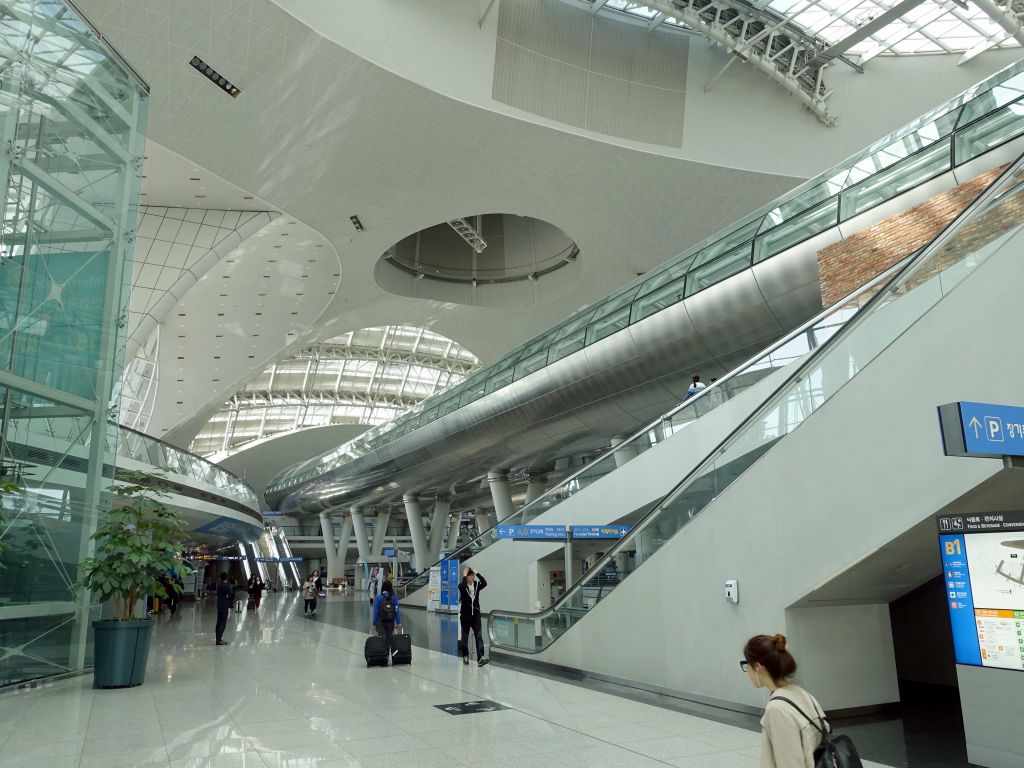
[[744, 664]]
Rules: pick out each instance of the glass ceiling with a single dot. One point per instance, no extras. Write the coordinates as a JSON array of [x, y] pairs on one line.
[[370, 376], [933, 26]]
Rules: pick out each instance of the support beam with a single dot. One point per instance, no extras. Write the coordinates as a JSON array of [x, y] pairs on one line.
[[380, 531], [865, 31], [327, 534], [359, 527], [414, 514], [439, 525], [483, 522], [501, 494], [343, 544], [625, 454], [535, 487], [1002, 18], [454, 528]]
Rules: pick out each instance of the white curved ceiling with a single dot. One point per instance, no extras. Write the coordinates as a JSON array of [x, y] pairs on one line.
[[323, 134]]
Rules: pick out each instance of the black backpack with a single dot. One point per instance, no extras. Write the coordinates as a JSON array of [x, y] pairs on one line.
[[387, 610], [834, 751]]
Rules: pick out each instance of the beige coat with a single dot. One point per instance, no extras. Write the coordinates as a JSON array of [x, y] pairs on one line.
[[787, 739]]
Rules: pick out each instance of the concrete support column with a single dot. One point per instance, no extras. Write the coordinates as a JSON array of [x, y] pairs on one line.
[[624, 455], [419, 537], [535, 487], [453, 531], [501, 494], [359, 527], [343, 544], [380, 530], [439, 525], [483, 522], [327, 533]]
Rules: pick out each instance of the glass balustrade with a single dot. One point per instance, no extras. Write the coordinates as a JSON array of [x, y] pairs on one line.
[[843, 346], [780, 354]]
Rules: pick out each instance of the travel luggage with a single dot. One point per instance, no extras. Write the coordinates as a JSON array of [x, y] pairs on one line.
[[403, 649], [251, 604], [376, 651]]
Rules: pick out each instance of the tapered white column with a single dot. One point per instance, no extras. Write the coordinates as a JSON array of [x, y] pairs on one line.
[[500, 494], [453, 531], [327, 533], [359, 527], [343, 544], [380, 531], [483, 522], [625, 454], [535, 488], [419, 537], [439, 525]]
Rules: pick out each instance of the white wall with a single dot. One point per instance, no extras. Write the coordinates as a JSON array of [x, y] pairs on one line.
[[867, 467]]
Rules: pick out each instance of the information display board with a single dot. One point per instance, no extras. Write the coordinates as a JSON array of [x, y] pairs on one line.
[[983, 574]]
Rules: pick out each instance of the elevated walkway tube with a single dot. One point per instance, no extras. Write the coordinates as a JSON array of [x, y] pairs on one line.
[[791, 346], [916, 287]]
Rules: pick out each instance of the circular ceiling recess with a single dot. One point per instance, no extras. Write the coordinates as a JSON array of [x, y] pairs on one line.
[[490, 259]]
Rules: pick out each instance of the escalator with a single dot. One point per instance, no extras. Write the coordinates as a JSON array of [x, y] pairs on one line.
[[613, 465], [992, 225]]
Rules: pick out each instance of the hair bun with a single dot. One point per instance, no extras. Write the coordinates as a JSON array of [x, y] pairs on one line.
[[779, 641]]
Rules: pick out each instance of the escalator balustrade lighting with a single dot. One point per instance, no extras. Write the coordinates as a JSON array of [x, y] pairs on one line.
[[215, 77]]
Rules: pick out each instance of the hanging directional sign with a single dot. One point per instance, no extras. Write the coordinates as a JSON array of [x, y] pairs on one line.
[[531, 532], [599, 531], [982, 430]]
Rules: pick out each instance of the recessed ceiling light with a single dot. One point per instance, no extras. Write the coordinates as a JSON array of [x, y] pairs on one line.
[[356, 223], [194, 178]]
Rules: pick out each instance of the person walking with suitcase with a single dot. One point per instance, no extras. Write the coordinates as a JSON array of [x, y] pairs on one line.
[[386, 617], [469, 615]]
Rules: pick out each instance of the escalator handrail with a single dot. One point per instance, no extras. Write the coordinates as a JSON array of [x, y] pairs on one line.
[[903, 269], [686, 403]]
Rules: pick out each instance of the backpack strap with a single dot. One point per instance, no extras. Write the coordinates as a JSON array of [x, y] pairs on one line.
[[819, 726]]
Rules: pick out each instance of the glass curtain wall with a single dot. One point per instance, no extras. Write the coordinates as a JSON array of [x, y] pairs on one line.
[[72, 118]]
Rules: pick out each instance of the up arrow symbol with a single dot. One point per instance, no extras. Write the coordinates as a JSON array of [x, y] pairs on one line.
[[975, 425]]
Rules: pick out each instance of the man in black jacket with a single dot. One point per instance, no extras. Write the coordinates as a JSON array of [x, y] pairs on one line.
[[225, 594], [469, 614]]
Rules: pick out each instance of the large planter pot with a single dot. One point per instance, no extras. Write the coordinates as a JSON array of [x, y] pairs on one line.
[[121, 651]]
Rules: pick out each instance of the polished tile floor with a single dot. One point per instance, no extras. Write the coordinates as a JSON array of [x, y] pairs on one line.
[[292, 692]]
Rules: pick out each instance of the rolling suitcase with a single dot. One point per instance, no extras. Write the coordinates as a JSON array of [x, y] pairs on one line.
[[376, 651], [403, 649]]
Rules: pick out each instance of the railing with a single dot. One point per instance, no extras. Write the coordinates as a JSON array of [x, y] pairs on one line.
[[929, 276], [778, 355], [978, 120], [141, 447], [150, 450]]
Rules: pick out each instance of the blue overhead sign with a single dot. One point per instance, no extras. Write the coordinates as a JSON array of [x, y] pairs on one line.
[[982, 430], [389, 553], [531, 532], [599, 531]]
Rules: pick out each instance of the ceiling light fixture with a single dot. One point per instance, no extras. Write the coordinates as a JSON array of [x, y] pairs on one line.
[[215, 77], [356, 223]]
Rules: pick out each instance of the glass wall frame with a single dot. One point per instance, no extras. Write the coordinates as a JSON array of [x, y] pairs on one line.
[[72, 119]]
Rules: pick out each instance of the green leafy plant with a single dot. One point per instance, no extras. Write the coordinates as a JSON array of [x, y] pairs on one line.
[[137, 542]]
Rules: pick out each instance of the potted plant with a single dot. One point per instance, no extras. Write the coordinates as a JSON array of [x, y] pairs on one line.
[[138, 541]]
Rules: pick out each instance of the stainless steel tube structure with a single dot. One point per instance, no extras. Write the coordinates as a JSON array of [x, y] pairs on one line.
[[624, 361]]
